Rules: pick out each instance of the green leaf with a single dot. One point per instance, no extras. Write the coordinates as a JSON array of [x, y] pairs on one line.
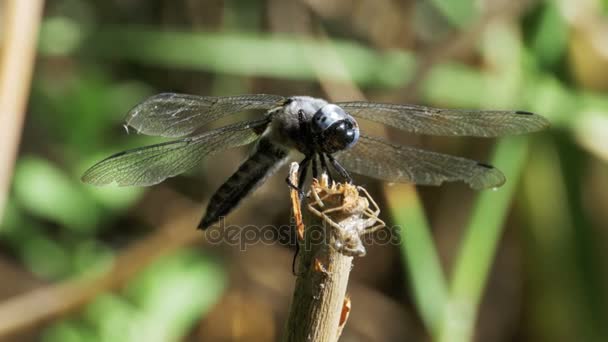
[[479, 245], [292, 57], [45, 257], [68, 331], [550, 40], [419, 254], [173, 293], [46, 191], [460, 13], [60, 36]]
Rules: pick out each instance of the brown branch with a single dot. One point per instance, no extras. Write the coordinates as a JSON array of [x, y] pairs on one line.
[[336, 217], [320, 287], [319, 295], [18, 50]]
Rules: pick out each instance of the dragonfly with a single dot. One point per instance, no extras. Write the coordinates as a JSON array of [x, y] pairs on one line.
[[326, 134]]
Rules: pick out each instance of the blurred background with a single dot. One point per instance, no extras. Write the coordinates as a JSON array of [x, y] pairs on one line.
[[525, 262]]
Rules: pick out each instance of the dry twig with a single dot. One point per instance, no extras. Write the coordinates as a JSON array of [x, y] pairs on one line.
[[337, 216]]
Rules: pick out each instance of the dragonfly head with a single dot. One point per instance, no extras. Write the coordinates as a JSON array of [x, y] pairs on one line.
[[334, 129]]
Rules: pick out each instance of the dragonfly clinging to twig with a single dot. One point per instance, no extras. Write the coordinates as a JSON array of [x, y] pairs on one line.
[[326, 134]]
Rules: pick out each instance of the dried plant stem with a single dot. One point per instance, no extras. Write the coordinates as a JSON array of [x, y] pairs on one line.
[[17, 53], [317, 307], [320, 291]]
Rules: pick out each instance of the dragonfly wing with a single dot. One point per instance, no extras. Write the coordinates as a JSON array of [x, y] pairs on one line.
[[377, 158], [150, 165], [435, 121], [177, 115]]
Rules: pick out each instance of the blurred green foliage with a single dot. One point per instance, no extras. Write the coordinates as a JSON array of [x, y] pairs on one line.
[[459, 13], [46, 192], [160, 304], [91, 72]]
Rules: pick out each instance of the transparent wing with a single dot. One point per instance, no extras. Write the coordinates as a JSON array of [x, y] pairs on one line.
[[150, 165], [377, 158], [435, 121], [177, 115]]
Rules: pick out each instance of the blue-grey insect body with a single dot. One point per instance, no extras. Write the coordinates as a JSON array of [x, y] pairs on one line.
[[326, 134]]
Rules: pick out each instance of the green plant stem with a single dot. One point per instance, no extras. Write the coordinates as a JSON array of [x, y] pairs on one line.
[[419, 254], [479, 245]]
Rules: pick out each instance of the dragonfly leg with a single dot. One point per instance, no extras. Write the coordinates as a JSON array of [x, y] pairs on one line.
[[295, 187], [303, 170], [301, 177], [295, 259], [315, 167], [341, 170], [325, 169]]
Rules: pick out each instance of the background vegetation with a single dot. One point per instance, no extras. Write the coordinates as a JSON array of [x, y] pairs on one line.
[[525, 262]]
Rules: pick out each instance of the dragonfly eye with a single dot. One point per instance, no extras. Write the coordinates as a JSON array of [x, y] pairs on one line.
[[334, 129]]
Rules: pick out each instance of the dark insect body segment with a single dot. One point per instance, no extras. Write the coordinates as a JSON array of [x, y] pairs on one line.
[[264, 161]]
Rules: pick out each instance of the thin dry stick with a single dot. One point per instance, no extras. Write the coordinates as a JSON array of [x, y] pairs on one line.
[[20, 35], [336, 216], [320, 288]]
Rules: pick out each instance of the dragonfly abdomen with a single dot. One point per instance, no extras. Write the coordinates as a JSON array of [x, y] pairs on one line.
[[263, 162]]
